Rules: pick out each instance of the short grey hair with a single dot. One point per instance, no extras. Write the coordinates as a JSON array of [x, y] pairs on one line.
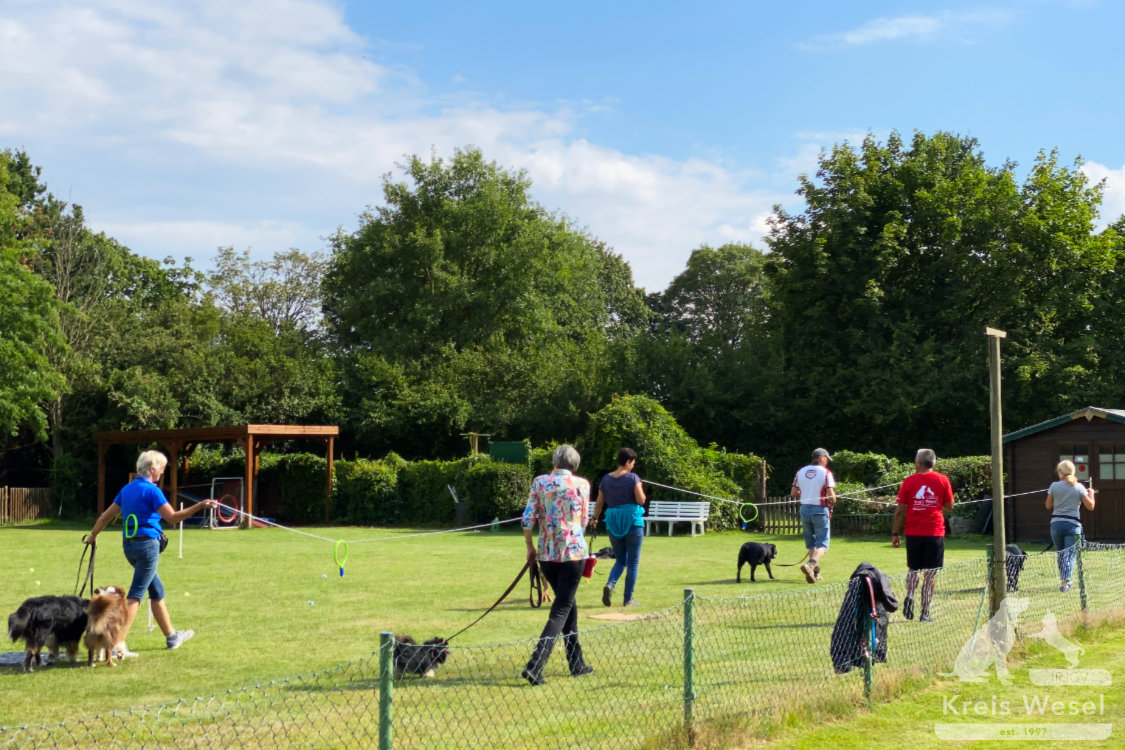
[[926, 457], [565, 457], [151, 460]]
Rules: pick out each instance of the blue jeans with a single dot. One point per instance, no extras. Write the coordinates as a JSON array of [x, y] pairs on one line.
[[627, 550], [143, 553], [816, 525], [1065, 535]]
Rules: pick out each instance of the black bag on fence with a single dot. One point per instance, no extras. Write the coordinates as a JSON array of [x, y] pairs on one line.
[[853, 625]]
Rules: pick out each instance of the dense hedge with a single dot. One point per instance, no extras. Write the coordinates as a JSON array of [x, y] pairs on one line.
[[391, 491], [366, 492], [668, 455]]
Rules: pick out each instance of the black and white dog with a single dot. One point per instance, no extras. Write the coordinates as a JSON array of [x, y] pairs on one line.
[[420, 660], [50, 621], [755, 554]]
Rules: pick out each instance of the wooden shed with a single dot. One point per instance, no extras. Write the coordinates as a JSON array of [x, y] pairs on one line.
[[1094, 439]]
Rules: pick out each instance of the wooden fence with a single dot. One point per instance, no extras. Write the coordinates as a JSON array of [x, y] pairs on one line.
[[21, 504], [783, 516]]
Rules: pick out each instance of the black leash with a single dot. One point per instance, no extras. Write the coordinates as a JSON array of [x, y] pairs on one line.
[[536, 587], [92, 548]]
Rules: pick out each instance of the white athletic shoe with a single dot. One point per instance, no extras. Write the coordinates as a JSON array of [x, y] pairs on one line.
[[178, 638]]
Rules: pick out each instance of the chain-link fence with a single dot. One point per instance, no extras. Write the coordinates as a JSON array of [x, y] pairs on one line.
[[658, 681]]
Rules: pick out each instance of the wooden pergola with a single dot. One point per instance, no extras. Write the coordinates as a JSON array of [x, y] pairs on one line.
[[181, 443]]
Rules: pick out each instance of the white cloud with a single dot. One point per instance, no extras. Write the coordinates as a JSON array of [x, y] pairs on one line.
[[1113, 197], [651, 209], [283, 101], [882, 29], [957, 25]]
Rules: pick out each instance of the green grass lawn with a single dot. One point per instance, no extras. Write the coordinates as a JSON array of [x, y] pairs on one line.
[[247, 595]]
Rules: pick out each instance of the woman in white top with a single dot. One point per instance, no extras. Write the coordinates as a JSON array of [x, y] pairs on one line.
[[1065, 499]]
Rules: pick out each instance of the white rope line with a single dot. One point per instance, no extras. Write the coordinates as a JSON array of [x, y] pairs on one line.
[[849, 496], [267, 522], [431, 533], [361, 541], [700, 494]]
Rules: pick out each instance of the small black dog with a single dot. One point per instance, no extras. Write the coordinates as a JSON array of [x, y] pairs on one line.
[[1015, 559], [756, 554], [50, 621], [419, 660]]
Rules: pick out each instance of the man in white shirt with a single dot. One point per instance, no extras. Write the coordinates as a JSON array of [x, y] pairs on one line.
[[815, 487]]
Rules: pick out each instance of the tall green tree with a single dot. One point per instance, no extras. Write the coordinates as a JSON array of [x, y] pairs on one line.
[[883, 284], [28, 322], [284, 290], [708, 354], [461, 304]]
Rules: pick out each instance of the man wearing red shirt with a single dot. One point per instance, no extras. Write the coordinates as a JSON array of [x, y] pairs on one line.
[[921, 498]]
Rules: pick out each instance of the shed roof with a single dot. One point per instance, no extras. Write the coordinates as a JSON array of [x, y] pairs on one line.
[[1089, 412]]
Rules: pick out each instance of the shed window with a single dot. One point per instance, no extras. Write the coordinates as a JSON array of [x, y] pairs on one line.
[[1111, 462], [1080, 455]]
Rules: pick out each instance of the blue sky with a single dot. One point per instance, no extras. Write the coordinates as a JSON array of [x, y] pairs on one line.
[[181, 126]]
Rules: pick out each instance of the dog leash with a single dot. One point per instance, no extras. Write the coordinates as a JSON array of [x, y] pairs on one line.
[[790, 565], [536, 588], [91, 547]]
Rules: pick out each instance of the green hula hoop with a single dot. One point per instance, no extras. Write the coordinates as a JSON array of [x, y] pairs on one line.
[[136, 525], [339, 559], [742, 512]]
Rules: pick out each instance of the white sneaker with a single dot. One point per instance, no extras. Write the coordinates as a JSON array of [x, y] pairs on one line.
[[178, 638], [121, 651]]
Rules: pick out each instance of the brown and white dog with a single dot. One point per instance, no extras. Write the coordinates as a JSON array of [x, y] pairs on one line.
[[105, 623]]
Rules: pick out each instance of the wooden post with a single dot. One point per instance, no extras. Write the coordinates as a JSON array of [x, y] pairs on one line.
[[102, 448], [248, 481], [328, 485], [173, 447], [999, 556]]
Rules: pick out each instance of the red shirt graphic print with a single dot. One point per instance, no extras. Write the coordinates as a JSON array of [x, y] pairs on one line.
[[924, 495]]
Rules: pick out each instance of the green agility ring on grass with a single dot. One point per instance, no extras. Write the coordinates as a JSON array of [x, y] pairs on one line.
[[339, 558], [742, 512]]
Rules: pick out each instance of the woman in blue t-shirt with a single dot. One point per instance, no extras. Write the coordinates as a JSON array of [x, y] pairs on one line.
[[621, 496], [1065, 500], [142, 506]]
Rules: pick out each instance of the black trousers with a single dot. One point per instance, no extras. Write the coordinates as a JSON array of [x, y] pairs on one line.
[[564, 578]]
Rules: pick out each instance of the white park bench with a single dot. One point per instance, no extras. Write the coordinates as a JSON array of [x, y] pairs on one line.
[[668, 511]]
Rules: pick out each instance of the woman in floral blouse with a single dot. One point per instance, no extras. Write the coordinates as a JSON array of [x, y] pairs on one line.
[[559, 501]]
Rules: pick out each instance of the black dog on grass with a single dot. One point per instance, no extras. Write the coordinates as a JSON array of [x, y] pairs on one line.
[[419, 660], [755, 554], [1015, 558], [50, 621]]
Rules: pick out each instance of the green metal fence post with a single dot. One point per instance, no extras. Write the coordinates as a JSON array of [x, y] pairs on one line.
[[1079, 544], [386, 674], [689, 665]]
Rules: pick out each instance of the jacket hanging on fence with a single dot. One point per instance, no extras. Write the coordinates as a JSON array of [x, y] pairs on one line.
[[853, 624]]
